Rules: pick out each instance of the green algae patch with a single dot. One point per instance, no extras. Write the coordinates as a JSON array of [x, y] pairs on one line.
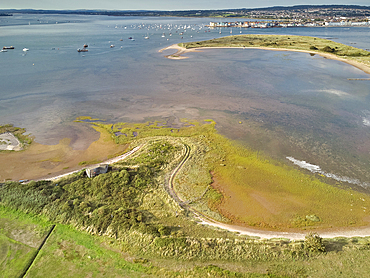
[[264, 193]]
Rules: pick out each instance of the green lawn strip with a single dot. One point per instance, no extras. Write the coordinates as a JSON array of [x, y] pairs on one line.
[[71, 253], [305, 43], [14, 256]]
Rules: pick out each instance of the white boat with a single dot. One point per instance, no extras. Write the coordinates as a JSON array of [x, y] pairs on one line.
[[25, 49], [3, 50], [112, 45]]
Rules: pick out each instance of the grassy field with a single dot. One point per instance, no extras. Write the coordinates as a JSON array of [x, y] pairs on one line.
[[203, 252], [310, 44]]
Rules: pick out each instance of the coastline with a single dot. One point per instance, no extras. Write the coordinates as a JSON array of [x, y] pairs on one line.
[[182, 50], [348, 232]]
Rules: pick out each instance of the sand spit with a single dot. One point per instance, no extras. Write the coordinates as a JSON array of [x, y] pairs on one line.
[[179, 53], [182, 50]]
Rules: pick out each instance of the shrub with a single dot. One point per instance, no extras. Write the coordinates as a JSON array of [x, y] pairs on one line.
[[313, 243], [328, 49], [312, 47]]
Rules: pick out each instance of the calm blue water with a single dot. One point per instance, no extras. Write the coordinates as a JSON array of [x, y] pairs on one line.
[[293, 104]]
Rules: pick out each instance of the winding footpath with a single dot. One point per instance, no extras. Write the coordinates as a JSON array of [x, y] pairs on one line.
[[205, 220]]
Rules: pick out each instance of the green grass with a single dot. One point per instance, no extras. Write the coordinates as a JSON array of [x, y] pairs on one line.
[[13, 256], [153, 237], [291, 196], [72, 253]]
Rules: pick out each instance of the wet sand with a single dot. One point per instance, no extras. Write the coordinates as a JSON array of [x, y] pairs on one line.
[[181, 51], [43, 161]]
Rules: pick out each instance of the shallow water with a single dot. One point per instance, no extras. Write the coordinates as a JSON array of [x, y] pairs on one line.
[[291, 104]]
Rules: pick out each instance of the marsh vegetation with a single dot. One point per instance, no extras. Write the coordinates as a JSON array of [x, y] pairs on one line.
[[125, 221]]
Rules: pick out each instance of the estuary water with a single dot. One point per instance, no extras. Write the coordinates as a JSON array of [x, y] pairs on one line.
[[289, 104]]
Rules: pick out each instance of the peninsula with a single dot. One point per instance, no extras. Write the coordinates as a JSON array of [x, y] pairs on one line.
[[163, 204], [329, 49]]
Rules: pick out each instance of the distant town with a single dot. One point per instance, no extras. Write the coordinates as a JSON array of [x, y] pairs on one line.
[[290, 16], [300, 16], [292, 23]]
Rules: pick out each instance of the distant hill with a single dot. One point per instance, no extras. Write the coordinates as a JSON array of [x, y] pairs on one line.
[[195, 13]]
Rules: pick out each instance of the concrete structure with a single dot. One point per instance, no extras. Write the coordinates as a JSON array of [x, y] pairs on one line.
[[97, 170]]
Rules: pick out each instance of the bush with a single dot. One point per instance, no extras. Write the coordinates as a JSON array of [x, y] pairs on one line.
[[313, 243], [312, 47], [328, 49]]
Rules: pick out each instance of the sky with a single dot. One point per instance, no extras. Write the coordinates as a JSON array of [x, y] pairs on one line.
[[163, 4]]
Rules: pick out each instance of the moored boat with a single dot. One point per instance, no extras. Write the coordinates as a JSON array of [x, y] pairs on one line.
[[82, 50], [25, 49], [8, 47]]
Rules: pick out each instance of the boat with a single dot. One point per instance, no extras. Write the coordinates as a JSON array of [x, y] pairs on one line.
[[3, 50], [112, 45], [85, 45], [146, 37], [25, 49], [130, 38], [82, 50], [8, 47]]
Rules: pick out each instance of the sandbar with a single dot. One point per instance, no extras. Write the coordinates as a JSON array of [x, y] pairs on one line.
[[182, 50]]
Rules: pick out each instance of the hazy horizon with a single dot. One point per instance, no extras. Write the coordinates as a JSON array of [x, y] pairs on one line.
[[161, 4]]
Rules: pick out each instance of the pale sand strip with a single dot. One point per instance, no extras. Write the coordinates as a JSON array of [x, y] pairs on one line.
[[337, 232], [182, 50]]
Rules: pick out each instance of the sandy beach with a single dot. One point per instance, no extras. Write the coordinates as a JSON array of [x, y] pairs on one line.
[[181, 51]]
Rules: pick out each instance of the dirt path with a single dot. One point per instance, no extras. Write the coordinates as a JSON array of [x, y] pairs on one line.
[[109, 161], [205, 220]]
